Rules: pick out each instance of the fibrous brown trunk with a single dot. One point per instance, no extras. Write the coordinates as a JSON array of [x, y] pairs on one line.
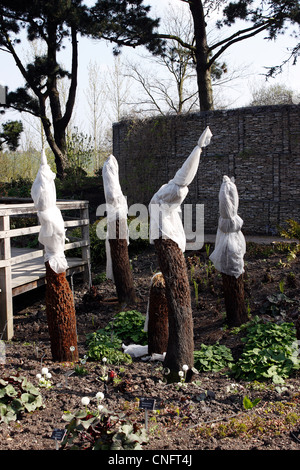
[[61, 318], [121, 268], [234, 297], [158, 316], [180, 350]]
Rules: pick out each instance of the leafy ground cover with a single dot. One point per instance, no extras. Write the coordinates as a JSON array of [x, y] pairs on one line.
[[245, 393]]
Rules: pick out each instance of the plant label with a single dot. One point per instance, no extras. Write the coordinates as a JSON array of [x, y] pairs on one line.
[[147, 403], [58, 434]]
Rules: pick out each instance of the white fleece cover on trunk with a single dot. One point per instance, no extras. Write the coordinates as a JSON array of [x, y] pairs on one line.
[[164, 207], [52, 233], [230, 245], [116, 207]]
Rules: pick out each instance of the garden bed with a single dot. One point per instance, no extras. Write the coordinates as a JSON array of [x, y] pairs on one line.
[[215, 411]]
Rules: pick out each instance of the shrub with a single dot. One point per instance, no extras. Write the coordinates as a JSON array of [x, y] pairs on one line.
[[291, 231]]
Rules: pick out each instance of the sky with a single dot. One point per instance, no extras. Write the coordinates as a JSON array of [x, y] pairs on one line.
[[250, 56]]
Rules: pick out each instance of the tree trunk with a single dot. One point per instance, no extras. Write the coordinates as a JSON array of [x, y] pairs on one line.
[[61, 316], [234, 300], [202, 56], [121, 267], [180, 350], [158, 316], [60, 121]]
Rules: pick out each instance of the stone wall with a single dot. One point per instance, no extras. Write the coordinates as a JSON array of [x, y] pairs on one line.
[[259, 146]]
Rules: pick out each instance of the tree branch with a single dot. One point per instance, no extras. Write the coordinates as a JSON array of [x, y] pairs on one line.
[[179, 40], [73, 87], [21, 67], [235, 38]]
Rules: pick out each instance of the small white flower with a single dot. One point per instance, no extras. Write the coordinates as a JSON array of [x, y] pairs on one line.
[[38, 376], [72, 348], [180, 373], [104, 359], [45, 370], [185, 367], [85, 401], [48, 376], [100, 407], [99, 396]]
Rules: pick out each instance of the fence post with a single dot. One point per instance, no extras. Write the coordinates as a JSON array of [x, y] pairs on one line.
[[6, 303], [85, 250]]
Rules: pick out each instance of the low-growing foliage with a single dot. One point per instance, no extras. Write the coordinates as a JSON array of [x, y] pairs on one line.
[[107, 342], [128, 326], [270, 352], [292, 232], [17, 395], [212, 358], [101, 345], [88, 430], [249, 423], [248, 404], [276, 304]]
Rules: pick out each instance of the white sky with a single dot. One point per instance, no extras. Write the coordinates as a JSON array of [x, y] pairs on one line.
[[253, 55]]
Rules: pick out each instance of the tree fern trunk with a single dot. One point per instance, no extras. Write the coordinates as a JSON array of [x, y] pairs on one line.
[[234, 300], [61, 318], [180, 348], [158, 316]]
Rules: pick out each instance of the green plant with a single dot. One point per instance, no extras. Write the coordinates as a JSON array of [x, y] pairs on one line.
[[196, 288], [80, 369], [102, 430], [291, 232], [107, 342], [99, 278], [276, 304], [17, 395], [101, 345], [212, 358], [269, 352], [207, 249], [128, 326], [248, 404]]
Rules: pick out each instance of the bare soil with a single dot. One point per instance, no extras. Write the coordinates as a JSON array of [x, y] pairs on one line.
[[206, 414]]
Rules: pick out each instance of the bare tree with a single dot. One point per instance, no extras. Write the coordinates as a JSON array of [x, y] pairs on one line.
[[117, 90], [270, 17], [169, 83], [96, 101]]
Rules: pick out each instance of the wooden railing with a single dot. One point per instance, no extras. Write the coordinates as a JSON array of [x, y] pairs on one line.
[[9, 260]]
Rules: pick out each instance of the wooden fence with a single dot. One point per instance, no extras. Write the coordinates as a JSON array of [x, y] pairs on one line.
[[23, 269]]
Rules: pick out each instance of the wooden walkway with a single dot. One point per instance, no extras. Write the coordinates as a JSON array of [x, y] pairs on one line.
[[23, 269], [30, 274]]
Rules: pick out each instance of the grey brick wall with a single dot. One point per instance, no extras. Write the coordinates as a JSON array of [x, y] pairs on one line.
[[259, 146]]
